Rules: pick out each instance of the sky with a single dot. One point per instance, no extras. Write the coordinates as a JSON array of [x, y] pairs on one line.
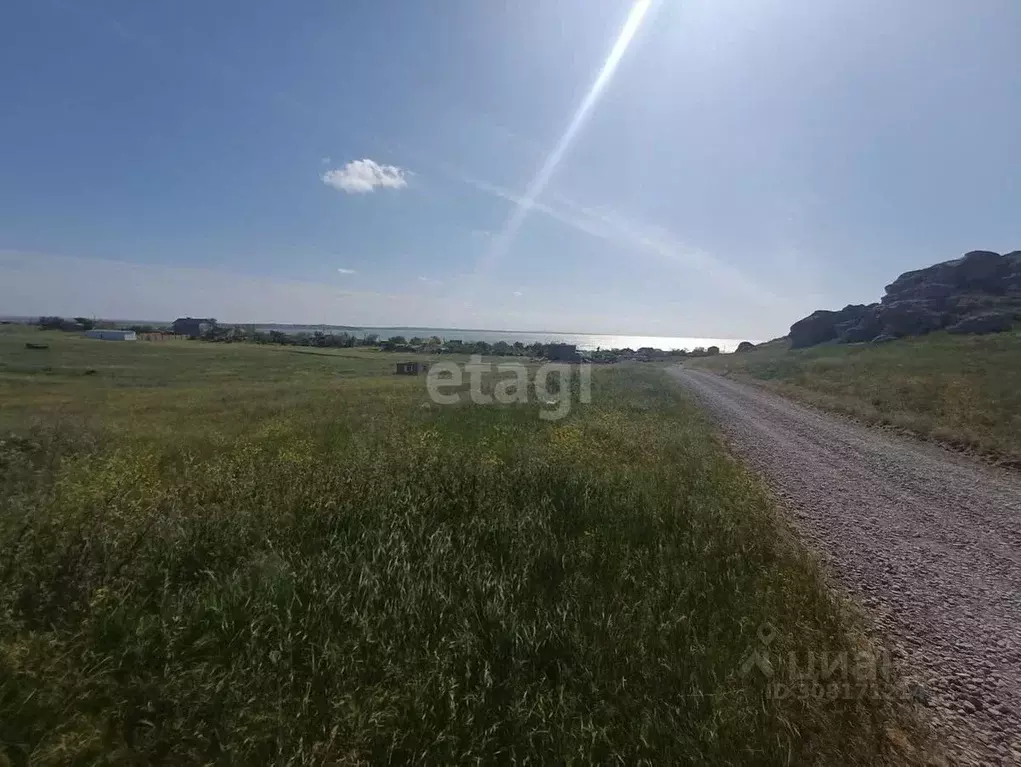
[[713, 168]]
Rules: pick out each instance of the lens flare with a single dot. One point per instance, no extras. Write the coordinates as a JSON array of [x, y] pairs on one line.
[[517, 217]]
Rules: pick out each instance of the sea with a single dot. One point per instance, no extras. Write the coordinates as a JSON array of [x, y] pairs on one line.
[[585, 341]]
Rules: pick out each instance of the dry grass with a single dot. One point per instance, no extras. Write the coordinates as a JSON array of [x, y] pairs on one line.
[[962, 390]]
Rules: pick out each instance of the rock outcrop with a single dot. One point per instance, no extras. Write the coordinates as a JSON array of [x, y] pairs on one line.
[[989, 322], [824, 325], [978, 293]]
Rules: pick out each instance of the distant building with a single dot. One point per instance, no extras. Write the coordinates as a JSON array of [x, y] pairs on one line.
[[112, 335], [411, 368], [192, 327], [562, 352]]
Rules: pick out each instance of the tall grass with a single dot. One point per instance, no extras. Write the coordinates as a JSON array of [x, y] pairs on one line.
[[962, 390], [355, 576]]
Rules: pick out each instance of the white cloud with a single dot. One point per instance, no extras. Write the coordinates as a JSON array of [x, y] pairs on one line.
[[430, 281], [346, 271], [362, 176], [518, 293]]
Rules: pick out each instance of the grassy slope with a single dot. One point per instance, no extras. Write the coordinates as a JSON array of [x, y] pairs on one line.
[[260, 555], [964, 390]]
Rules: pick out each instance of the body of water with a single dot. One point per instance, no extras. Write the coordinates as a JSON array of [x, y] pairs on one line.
[[587, 341]]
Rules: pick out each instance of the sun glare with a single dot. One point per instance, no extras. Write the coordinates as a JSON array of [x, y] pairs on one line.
[[517, 217]]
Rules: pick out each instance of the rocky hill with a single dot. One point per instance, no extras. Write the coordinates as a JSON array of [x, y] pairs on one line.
[[977, 293]]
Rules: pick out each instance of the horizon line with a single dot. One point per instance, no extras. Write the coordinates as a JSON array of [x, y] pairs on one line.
[[399, 327]]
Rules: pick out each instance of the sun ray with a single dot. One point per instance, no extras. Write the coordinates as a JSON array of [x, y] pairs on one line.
[[502, 243]]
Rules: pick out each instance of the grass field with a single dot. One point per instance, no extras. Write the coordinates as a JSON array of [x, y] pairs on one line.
[[242, 555], [962, 390]]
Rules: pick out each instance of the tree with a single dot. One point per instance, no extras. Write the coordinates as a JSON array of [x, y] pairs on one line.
[[85, 322], [398, 340], [712, 350]]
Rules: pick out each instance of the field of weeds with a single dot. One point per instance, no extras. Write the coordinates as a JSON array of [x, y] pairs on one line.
[[251, 555], [961, 390]]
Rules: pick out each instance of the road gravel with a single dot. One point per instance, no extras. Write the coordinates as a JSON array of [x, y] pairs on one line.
[[928, 541]]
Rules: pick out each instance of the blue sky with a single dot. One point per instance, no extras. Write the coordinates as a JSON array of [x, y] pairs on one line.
[[389, 163]]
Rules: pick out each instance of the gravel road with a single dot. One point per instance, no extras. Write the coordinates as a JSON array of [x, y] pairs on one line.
[[928, 541]]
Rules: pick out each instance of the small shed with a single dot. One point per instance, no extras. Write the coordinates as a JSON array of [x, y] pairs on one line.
[[112, 335], [411, 368], [193, 327], [562, 352]]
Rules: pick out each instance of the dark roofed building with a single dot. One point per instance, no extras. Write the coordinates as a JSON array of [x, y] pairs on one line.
[[562, 352], [412, 368], [193, 327]]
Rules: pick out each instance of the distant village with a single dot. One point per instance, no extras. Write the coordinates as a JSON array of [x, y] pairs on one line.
[[209, 330]]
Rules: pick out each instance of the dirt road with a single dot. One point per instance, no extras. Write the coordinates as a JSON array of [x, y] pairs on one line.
[[928, 541]]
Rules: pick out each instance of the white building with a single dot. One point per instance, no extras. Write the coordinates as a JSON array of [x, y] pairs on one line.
[[112, 335]]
